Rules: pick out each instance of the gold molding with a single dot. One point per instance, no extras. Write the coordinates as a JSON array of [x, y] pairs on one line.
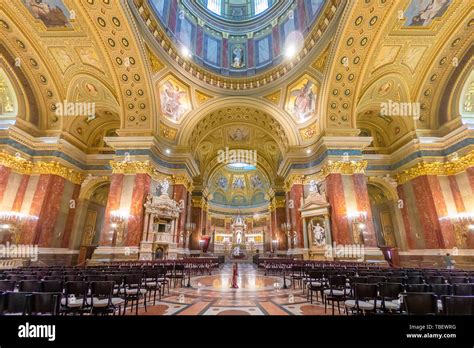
[[22, 166], [183, 179], [137, 167], [344, 167], [274, 97], [202, 97], [293, 179], [453, 167]]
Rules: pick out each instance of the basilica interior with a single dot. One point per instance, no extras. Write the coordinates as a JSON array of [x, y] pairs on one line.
[[238, 146]]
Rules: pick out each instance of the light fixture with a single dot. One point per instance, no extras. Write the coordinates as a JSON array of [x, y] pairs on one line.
[[5, 226], [290, 52], [168, 151], [308, 151], [471, 227], [361, 225]]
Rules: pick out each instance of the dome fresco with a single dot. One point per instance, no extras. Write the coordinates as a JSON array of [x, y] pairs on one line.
[[241, 188], [239, 41]]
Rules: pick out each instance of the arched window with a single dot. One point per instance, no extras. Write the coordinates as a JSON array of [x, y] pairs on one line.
[[260, 6], [466, 105], [215, 6], [8, 101]]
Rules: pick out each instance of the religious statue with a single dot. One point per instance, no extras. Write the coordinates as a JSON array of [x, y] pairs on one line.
[[313, 186], [165, 185], [237, 57], [319, 233]]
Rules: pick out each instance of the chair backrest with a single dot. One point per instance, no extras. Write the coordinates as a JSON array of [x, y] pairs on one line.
[[46, 303], [366, 292], [376, 279], [441, 289], [463, 289], [132, 280], [7, 285], [391, 291], [102, 289], [417, 287], [95, 278], [337, 281], [397, 279], [29, 286], [414, 279], [435, 280], [458, 305], [17, 303], [77, 288], [52, 286], [458, 279], [421, 303]]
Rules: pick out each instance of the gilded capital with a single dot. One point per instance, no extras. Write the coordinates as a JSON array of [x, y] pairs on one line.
[[22, 166], [344, 167], [452, 167]]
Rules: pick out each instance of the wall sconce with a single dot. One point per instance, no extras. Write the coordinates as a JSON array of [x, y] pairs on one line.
[[358, 220], [13, 221], [463, 223], [118, 219]]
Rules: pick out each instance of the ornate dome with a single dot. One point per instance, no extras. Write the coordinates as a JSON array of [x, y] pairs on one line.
[[236, 38]]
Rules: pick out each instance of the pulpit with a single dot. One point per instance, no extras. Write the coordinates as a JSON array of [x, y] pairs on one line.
[[160, 227]]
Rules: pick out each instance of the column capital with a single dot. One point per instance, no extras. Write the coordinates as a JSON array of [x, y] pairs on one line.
[[293, 179], [344, 167], [138, 167], [23, 166], [452, 167], [185, 180]]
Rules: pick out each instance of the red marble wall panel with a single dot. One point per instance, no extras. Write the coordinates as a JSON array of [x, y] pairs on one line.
[[446, 236], [141, 189], [276, 41], [70, 218], [341, 233], [31, 228], [196, 234], [113, 203], [363, 204], [4, 176], [199, 41], [470, 174], [225, 53], [50, 212], [457, 197], [250, 53], [296, 195], [20, 194], [406, 218], [427, 212], [281, 218]]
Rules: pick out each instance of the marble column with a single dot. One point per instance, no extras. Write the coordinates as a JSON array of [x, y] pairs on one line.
[[296, 194], [341, 231], [363, 204], [113, 203], [180, 195], [135, 222]]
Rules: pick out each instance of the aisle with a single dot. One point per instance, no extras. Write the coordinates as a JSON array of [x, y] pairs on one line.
[[257, 295]]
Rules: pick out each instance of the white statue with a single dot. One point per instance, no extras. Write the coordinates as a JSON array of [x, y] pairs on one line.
[[313, 186], [165, 185], [319, 234]]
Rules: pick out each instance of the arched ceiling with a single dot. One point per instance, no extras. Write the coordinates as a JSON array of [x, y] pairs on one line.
[[357, 55]]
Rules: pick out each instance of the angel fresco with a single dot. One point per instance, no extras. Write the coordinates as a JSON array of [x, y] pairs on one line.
[[52, 13], [304, 103], [422, 12], [172, 104]]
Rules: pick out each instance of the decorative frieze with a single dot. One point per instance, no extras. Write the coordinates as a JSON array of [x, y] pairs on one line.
[[23, 166], [452, 167]]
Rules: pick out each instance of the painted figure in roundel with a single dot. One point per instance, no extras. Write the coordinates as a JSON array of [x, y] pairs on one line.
[[171, 103]]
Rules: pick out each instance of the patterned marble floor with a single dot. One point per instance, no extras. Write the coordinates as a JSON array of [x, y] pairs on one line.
[[257, 295]]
